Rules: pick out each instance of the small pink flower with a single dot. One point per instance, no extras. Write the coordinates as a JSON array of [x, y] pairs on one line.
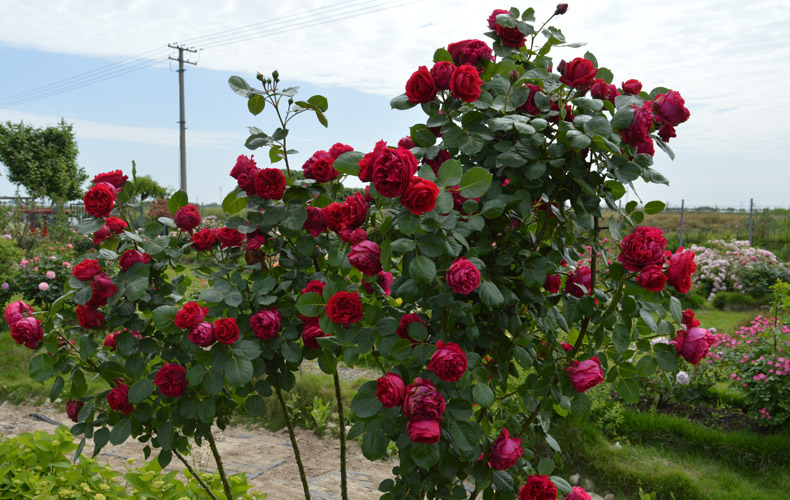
[[69, 245], [43, 286], [52, 257], [66, 264], [24, 262], [50, 275]]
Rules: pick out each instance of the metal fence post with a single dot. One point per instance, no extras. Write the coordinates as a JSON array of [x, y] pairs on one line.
[[682, 212], [751, 222]]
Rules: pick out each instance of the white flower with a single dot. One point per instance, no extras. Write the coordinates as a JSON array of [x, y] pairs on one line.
[[682, 378]]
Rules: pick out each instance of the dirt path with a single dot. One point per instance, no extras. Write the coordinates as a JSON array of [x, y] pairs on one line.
[[266, 457]]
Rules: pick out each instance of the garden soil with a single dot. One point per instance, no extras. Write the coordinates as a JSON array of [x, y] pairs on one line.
[[266, 457]]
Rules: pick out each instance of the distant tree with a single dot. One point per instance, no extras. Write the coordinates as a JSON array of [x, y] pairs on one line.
[[44, 161], [146, 187]]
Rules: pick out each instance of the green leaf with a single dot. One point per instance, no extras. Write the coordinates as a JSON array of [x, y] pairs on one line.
[[256, 103], [319, 102], [578, 140], [141, 390], [240, 86], [238, 371], [647, 366], [475, 182], [493, 209], [255, 406], [676, 309], [598, 126], [628, 389], [41, 368], [466, 435], [442, 54], [365, 403], [120, 433], [374, 443], [157, 245], [654, 207], [233, 204], [450, 173], [348, 163], [135, 289], [483, 395], [666, 357], [89, 225], [311, 304], [177, 200], [546, 466], [422, 269], [490, 294], [425, 455], [401, 102], [623, 117]]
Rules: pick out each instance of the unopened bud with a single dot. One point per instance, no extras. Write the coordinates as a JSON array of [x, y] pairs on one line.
[[260, 77], [276, 75], [562, 8], [513, 76], [561, 67]]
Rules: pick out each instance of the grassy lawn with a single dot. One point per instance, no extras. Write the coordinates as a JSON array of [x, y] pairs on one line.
[[725, 321]]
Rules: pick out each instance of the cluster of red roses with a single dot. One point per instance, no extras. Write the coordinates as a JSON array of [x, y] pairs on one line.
[[542, 488], [102, 288], [268, 183], [25, 329], [99, 200], [643, 251], [202, 333]]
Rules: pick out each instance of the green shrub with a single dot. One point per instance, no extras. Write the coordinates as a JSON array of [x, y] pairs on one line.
[[757, 281], [10, 256], [734, 301]]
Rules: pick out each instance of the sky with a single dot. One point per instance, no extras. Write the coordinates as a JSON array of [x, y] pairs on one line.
[[727, 58]]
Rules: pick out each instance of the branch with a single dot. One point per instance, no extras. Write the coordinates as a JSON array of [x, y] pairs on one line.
[[196, 475]]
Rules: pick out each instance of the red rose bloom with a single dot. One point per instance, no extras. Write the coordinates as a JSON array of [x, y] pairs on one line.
[[471, 52], [115, 178], [463, 276], [187, 217], [132, 257], [190, 315], [385, 280], [27, 332], [406, 142], [315, 223], [422, 401], [492, 18], [403, 326], [505, 451], [670, 108], [465, 83], [637, 135], [270, 184], [356, 236], [99, 200], [229, 237], [632, 87], [242, 166], [390, 390], [314, 286], [226, 330], [89, 317], [530, 106], [310, 333], [16, 311], [338, 149], [333, 215], [118, 399], [366, 257], [538, 488], [344, 307], [693, 344], [254, 242], [203, 334], [602, 90], [436, 162], [266, 323], [581, 276], [115, 225], [73, 407], [171, 380], [643, 247], [366, 169], [666, 132], [392, 169], [424, 431], [586, 374], [579, 73], [577, 493], [246, 180], [420, 87], [204, 239], [354, 211], [688, 319], [322, 169], [441, 72], [86, 270], [652, 278], [552, 283], [511, 37], [448, 363], [681, 267], [420, 196]]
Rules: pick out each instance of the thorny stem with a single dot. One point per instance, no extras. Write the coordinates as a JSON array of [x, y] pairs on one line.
[[294, 444], [220, 468], [532, 43], [593, 267], [285, 148], [378, 361], [343, 478], [530, 419], [195, 474]]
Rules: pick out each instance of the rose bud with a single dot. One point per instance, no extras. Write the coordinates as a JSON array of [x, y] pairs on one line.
[[505, 451], [586, 374], [390, 390], [562, 8], [424, 431]]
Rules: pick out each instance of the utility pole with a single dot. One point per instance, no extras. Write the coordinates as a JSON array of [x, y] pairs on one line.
[[182, 122]]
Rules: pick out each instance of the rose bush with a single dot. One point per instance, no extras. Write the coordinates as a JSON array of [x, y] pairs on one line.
[[450, 297]]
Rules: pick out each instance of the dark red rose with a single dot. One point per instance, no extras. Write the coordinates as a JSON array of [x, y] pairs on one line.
[[562, 8], [471, 52], [492, 18], [579, 73], [530, 106], [16, 311], [103, 288], [448, 363], [187, 217], [333, 216], [420, 196], [420, 87], [226, 330], [688, 319], [171, 380], [637, 134], [354, 211], [406, 142], [270, 184], [314, 286], [632, 87], [246, 180], [458, 200], [505, 451], [243, 165], [577, 493], [390, 390], [265, 324], [338, 149], [190, 315], [463, 276], [204, 239], [384, 280], [229, 237], [344, 307], [203, 334], [115, 178], [604, 91], [643, 247], [366, 170], [586, 374], [315, 223], [552, 284], [322, 169], [310, 334], [118, 399], [581, 276], [422, 401], [366, 257], [115, 225], [101, 234], [441, 72], [254, 242], [693, 344], [392, 169], [99, 200], [424, 431], [555, 118], [358, 235], [652, 278], [307, 166], [27, 332], [132, 257], [670, 108], [666, 132], [465, 83], [89, 317], [538, 488], [86, 270], [436, 162], [73, 407], [566, 346], [511, 37], [681, 267], [403, 326]]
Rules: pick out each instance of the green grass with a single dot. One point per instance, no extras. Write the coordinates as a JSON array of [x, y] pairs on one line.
[[16, 385], [724, 321]]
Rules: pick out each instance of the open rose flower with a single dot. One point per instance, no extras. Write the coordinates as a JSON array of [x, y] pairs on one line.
[[579, 73], [114, 178], [226, 330], [270, 184], [132, 257], [463, 276], [310, 335], [538, 488], [586, 374], [577, 493], [448, 363], [242, 166], [89, 317], [204, 239], [422, 401], [27, 332], [392, 169], [578, 281], [681, 267], [203, 334], [441, 72], [354, 211], [366, 257], [99, 200], [171, 380], [190, 315], [333, 216], [424, 431], [632, 87], [670, 108], [652, 278], [505, 451], [229, 237], [637, 135], [693, 344], [16, 311], [344, 308], [420, 88], [187, 217], [118, 399], [390, 390], [315, 223], [420, 196], [465, 83], [643, 247], [265, 324], [86, 270], [472, 52]]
